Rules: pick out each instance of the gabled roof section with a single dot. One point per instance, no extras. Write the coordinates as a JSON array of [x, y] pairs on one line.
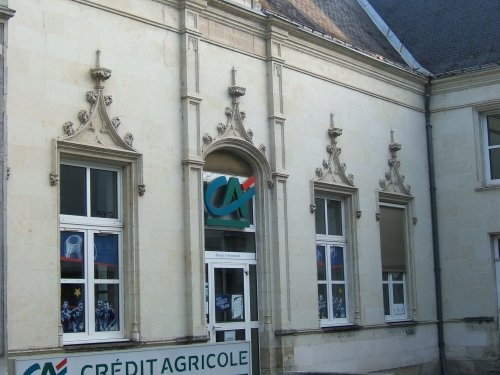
[[344, 20], [446, 36]]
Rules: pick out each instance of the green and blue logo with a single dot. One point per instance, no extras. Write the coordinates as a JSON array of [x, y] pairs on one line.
[[228, 202]]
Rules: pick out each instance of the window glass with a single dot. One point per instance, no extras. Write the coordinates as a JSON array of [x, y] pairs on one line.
[[322, 301], [320, 216], [495, 163], [337, 263], [392, 237], [334, 212], [73, 190], [106, 302], [106, 256], [103, 193], [73, 308], [321, 262], [72, 255], [338, 300], [494, 130], [229, 241]]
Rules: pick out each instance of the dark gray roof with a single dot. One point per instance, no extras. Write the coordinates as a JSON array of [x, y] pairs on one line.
[[445, 35], [344, 20]]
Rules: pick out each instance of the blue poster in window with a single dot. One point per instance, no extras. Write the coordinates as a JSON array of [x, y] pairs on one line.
[[337, 257], [106, 249], [72, 246], [222, 302]]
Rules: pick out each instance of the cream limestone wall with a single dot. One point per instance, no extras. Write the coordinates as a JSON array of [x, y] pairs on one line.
[[142, 43], [468, 214]]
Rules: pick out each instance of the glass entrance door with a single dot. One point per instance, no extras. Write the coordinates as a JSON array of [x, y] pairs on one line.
[[232, 304]]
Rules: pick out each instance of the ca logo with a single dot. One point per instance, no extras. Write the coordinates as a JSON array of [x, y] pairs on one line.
[[48, 368], [234, 201]]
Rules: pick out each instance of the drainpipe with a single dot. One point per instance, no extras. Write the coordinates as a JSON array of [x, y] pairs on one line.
[[435, 237]]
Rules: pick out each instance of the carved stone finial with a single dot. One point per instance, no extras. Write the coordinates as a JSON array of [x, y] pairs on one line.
[[129, 139], [84, 116], [141, 189], [99, 73], [54, 179], [68, 128], [116, 122], [262, 148], [207, 139]]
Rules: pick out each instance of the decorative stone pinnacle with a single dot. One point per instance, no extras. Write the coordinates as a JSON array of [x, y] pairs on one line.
[[333, 132], [234, 90], [98, 73], [393, 146]]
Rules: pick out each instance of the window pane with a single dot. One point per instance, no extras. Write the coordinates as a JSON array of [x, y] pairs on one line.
[[322, 302], [254, 311], [494, 130], [229, 295], [320, 216], [106, 312], [338, 301], [495, 163], [103, 193], [387, 310], [397, 276], [106, 256], [321, 262], [337, 263], [398, 293], [72, 255], [73, 190], [392, 237], [229, 241], [73, 308], [334, 211]]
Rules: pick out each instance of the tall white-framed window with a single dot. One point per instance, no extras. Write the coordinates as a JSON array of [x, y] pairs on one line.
[[394, 249], [331, 260], [91, 252], [491, 141]]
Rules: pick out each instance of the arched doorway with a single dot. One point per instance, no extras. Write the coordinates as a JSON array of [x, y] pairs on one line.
[[231, 261]]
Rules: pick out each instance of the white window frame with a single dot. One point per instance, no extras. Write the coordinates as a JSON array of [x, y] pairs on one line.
[[392, 317], [330, 241], [91, 226], [487, 147]]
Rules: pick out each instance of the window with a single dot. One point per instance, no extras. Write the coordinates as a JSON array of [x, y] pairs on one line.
[[393, 238], [492, 148], [331, 260], [91, 236]]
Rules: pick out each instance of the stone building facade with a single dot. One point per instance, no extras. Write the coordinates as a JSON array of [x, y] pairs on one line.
[[188, 177]]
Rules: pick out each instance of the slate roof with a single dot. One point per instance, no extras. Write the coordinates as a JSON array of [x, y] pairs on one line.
[[344, 20], [445, 35]]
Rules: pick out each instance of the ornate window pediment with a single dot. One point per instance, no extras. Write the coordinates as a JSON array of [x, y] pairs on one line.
[[394, 181], [96, 127], [234, 126], [333, 171]]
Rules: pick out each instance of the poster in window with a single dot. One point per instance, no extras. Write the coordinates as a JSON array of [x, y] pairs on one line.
[[106, 307], [72, 254], [73, 308], [338, 302], [106, 256], [222, 302], [337, 262], [237, 306]]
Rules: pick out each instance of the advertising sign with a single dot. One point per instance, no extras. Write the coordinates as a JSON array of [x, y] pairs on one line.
[[222, 359], [228, 201]]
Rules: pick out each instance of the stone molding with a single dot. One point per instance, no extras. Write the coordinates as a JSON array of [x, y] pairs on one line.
[[333, 170]]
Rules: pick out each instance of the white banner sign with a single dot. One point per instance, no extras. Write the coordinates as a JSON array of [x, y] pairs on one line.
[[221, 359]]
